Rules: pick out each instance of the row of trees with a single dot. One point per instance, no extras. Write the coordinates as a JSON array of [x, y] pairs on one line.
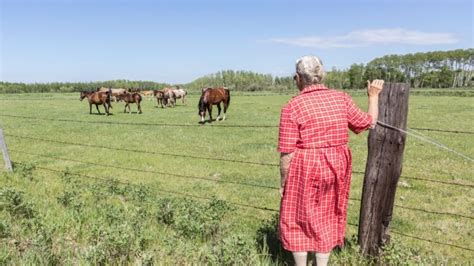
[[439, 69], [9, 87], [237, 80]]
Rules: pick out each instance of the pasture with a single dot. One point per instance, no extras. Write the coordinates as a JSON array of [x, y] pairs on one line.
[[169, 155]]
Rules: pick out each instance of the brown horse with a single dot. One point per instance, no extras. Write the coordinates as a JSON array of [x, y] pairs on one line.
[[129, 98], [159, 95], [97, 98], [213, 96]]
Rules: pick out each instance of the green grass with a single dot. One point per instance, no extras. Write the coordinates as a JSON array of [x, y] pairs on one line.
[[36, 115]]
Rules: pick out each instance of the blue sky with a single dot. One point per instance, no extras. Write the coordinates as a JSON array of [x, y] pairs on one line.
[[179, 41]]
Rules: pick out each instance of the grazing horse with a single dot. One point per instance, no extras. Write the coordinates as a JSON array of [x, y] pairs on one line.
[[180, 93], [159, 95], [213, 96], [114, 92], [97, 98], [129, 98], [169, 98]]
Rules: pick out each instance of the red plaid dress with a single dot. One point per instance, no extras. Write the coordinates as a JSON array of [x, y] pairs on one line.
[[314, 127]]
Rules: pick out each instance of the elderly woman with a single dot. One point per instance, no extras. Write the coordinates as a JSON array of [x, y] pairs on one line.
[[315, 163]]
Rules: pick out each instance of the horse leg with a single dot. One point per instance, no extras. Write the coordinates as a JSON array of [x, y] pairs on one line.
[[218, 111], [97, 107], [125, 108], [139, 108], [90, 108], [226, 104], [106, 107], [209, 108]]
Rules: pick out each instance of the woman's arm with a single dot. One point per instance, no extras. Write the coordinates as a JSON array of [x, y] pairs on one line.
[[285, 159], [373, 91]]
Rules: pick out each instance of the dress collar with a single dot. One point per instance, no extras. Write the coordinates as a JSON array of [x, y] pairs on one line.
[[314, 87]]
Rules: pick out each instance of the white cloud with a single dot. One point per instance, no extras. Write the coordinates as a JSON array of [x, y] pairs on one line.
[[371, 37]]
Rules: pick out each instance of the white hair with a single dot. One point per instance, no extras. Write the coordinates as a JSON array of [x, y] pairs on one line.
[[310, 70]]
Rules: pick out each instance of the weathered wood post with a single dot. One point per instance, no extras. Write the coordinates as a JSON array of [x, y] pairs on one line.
[[383, 169], [6, 157]]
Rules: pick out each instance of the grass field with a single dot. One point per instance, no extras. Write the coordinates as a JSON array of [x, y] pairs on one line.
[[77, 219]]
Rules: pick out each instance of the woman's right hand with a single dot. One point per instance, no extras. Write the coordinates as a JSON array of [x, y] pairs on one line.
[[375, 87]]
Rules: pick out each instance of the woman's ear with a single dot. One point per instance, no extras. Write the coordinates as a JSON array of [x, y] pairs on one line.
[[297, 79]]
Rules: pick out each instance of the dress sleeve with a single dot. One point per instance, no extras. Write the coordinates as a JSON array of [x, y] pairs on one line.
[[357, 120], [289, 133]]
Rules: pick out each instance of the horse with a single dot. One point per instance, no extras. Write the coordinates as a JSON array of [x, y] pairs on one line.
[[169, 98], [159, 95], [147, 93], [114, 92], [213, 96], [97, 98], [180, 93], [129, 98]]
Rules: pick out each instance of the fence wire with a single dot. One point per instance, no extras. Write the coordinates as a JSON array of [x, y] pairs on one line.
[[249, 206]]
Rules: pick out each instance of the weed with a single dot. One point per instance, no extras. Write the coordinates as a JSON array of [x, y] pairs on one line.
[[4, 229], [25, 170], [192, 218], [268, 239], [12, 201]]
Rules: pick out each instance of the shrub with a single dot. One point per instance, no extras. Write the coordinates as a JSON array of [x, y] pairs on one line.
[[25, 170], [4, 229], [191, 218], [235, 250], [12, 201]]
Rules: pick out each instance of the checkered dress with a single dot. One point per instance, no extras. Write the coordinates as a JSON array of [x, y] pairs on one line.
[[314, 127]]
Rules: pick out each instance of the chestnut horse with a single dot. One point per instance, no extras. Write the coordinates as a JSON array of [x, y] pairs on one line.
[[213, 96], [129, 98], [97, 98]]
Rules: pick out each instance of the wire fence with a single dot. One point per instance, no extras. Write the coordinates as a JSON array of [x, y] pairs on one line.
[[193, 125], [253, 185], [237, 204], [205, 157]]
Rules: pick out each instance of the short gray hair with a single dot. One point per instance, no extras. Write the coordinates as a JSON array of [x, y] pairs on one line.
[[310, 70]]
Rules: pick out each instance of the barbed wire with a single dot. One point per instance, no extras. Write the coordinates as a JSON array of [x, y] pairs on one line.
[[444, 130], [251, 206], [222, 181], [142, 151], [146, 171], [208, 158], [421, 238], [426, 211], [138, 124], [428, 180], [161, 190], [194, 125], [426, 139], [129, 184]]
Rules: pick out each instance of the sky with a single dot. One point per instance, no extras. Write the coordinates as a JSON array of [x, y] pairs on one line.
[[182, 40]]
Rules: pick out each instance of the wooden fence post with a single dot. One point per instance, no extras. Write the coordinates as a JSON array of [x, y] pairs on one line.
[[383, 169]]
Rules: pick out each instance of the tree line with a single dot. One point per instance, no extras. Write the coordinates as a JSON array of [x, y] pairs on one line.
[[16, 87], [438, 69]]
